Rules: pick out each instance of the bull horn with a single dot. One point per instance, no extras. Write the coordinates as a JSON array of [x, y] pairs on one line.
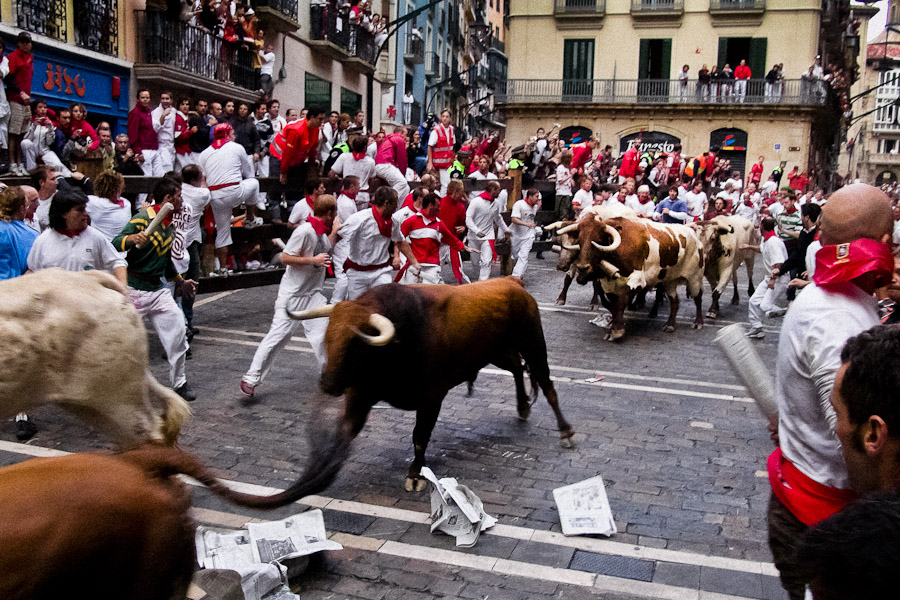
[[385, 331], [617, 241], [572, 247], [610, 268], [567, 229], [556, 248], [553, 226], [313, 313]]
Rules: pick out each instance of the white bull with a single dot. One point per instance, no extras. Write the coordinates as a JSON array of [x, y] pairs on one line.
[[723, 241], [74, 339]]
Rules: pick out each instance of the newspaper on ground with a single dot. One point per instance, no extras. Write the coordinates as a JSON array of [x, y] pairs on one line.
[[603, 319], [456, 510], [255, 553], [750, 368], [584, 508]]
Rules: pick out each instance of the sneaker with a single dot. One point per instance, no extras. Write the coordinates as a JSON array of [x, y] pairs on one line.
[[261, 205], [193, 330], [756, 333], [25, 430], [219, 273], [251, 223], [186, 392], [778, 312], [247, 389]]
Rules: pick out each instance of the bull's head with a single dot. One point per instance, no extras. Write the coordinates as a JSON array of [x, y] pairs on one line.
[[597, 240], [710, 234], [568, 245], [352, 333]]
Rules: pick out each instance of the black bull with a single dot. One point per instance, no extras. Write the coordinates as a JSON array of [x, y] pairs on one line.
[[409, 346]]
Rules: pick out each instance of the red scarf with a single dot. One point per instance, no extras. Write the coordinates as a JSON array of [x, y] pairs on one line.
[[384, 226], [120, 202], [791, 210], [168, 219], [219, 143], [767, 235], [70, 233], [349, 195], [311, 202], [317, 225], [486, 195], [748, 202], [359, 155], [846, 262]]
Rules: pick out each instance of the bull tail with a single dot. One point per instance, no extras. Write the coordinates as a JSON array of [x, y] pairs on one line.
[[175, 410]]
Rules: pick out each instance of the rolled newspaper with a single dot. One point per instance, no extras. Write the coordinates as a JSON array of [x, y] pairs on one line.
[[749, 368], [154, 224]]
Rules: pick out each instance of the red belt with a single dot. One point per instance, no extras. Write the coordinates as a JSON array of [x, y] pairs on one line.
[[213, 188], [349, 264]]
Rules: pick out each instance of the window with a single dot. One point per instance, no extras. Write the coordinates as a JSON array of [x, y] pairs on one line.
[[886, 97], [351, 102], [578, 67], [317, 91], [654, 62], [733, 50]]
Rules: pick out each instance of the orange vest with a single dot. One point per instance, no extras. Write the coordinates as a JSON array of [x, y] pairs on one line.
[[442, 153], [276, 148]]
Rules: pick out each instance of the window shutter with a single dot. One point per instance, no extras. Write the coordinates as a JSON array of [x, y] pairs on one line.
[[666, 66], [723, 53], [757, 58], [644, 64]]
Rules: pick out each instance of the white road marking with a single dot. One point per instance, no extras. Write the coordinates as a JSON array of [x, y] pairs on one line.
[[218, 296]]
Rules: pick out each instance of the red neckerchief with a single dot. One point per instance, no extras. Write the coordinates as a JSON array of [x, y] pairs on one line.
[[349, 195], [384, 226], [748, 202], [69, 233], [219, 143], [790, 210], [119, 202], [317, 225], [359, 155], [311, 202], [486, 195], [767, 235], [846, 262], [168, 219]]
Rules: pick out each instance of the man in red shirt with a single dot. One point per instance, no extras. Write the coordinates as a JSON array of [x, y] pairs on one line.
[[756, 172], [427, 235], [582, 153], [18, 93], [390, 161], [291, 152], [630, 161], [453, 215], [741, 75]]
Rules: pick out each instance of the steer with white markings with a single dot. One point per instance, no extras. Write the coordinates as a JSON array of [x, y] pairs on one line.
[[724, 239]]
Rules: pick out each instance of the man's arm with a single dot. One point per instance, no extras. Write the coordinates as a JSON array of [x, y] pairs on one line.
[[406, 250]]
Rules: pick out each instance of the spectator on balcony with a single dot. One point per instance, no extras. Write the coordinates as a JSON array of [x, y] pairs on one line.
[[267, 67], [245, 31], [39, 140], [142, 136], [291, 153], [683, 79], [18, 88], [742, 74], [163, 120], [317, 19], [381, 34], [4, 103], [715, 81], [773, 91], [726, 79], [703, 84]]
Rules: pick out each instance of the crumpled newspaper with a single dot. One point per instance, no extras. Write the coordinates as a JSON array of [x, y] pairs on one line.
[[456, 510]]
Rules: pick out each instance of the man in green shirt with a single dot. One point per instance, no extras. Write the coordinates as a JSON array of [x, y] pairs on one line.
[[149, 260]]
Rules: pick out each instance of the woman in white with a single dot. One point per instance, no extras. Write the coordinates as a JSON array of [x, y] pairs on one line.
[[109, 213]]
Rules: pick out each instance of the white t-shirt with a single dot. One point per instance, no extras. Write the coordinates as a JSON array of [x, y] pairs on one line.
[[696, 203], [775, 209], [642, 210], [197, 198], [306, 279], [108, 217], [768, 187], [346, 206], [736, 184], [366, 245], [165, 131], [397, 219], [563, 181], [524, 212], [582, 198], [42, 213], [227, 164], [300, 212], [814, 332], [364, 168], [267, 63], [481, 216], [278, 123], [774, 252], [87, 251], [478, 175]]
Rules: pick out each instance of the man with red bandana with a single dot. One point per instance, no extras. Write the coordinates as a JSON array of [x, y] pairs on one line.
[[453, 214], [482, 216], [306, 256], [807, 471], [766, 297], [426, 234]]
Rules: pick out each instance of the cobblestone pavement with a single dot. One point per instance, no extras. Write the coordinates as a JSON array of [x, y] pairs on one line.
[[680, 447]]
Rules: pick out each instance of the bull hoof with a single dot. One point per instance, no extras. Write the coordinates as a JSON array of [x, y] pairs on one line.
[[712, 314], [567, 442], [615, 334], [697, 326], [470, 389], [524, 413], [560, 301], [415, 484], [595, 307], [669, 329], [735, 300]]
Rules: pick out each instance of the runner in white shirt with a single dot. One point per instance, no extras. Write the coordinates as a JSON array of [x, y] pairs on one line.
[[482, 216], [584, 197], [346, 207], [523, 213], [356, 163], [306, 257], [482, 174], [163, 118], [564, 182], [229, 175], [327, 136], [749, 203], [729, 196], [643, 204], [109, 213], [304, 207], [696, 201], [772, 289]]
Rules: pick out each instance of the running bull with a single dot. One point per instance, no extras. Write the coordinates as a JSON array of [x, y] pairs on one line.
[[723, 241], [628, 256], [409, 345]]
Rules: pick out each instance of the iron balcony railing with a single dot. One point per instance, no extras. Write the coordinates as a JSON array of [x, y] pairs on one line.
[[97, 25], [579, 7], [330, 23], [415, 48], [657, 91], [44, 17], [433, 64], [286, 7], [737, 5], [195, 50], [654, 7]]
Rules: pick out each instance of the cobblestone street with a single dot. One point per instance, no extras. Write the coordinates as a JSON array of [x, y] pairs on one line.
[[679, 445]]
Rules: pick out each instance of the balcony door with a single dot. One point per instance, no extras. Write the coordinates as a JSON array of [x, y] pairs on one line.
[[732, 50], [654, 70], [578, 68]]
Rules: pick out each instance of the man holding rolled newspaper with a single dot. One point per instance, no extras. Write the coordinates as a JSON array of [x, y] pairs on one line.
[[147, 239], [807, 471]]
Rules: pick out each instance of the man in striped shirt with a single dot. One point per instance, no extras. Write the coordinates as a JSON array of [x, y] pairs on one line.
[[426, 233]]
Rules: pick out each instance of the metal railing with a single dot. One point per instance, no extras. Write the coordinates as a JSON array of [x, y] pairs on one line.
[[44, 17], [656, 7], [331, 24], [286, 7], [579, 7], [415, 49], [433, 64], [97, 25], [736, 5], [194, 50], [657, 91]]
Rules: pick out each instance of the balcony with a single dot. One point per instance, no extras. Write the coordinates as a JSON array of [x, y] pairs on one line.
[[174, 52], [578, 8], [650, 9], [884, 158], [331, 33], [96, 24], [653, 92], [414, 52], [277, 15], [433, 65], [737, 7]]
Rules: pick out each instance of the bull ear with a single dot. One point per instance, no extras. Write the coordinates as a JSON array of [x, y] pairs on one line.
[[725, 229]]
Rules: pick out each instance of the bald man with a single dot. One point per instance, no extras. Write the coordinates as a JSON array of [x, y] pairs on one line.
[[807, 471]]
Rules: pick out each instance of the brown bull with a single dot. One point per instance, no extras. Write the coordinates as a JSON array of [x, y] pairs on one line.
[[441, 336], [628, 256], [723, 240], [104, 527]]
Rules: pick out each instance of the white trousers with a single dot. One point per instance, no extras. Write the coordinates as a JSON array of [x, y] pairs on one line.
[[740, 89], [764, 299], [394, 178], [152, 164], [445, 260], [223, 202], [183, 160], [262, 170], [168, 321], [166, 158], [444, 175], [360, 282], [485, 258], [520, 249], [430, 274], [338, 256], [49, 157], [280, 334]]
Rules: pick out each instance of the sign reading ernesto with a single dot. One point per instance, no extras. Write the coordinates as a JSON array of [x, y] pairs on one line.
[[651, 141]]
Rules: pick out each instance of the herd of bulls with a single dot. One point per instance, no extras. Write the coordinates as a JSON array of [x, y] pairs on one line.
[[625, 256]]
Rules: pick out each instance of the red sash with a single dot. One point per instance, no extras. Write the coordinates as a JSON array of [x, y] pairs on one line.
[[808, 500]]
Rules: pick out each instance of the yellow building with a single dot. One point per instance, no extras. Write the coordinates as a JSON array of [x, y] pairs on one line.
[[612, 66]]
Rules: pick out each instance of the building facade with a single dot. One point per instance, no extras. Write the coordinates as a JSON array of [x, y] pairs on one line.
[[486, 65], [612, 66]]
